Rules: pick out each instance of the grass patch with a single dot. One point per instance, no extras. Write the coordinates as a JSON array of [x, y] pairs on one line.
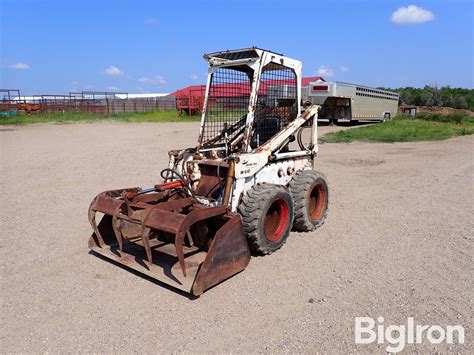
[[150, 116], [425, 127]]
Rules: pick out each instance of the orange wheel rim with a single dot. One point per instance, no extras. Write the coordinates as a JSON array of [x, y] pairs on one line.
[[317, 201], [276, 220]]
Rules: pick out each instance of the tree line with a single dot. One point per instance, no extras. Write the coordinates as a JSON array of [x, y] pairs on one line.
[[431, 95]]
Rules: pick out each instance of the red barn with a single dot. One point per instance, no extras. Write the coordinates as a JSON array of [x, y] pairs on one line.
[[191, 99]]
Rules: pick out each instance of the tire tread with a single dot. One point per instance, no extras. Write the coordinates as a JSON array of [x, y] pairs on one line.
[[251, 210], [298, 188]]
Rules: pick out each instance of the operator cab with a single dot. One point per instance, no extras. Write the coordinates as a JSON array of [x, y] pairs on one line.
[[252, 95]]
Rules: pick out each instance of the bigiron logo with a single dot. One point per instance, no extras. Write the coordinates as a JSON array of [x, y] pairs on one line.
[[397, 336]]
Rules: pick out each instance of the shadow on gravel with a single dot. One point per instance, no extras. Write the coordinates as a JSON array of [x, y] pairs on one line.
[[325, 123], [148, 278]]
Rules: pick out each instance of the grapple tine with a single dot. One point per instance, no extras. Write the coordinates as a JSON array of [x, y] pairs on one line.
[[118, 234], [93, 223], [146, 243], [179, 251], [192, 218]]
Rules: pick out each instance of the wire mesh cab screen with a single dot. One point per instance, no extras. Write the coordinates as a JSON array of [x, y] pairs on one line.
[[229, 97], [227, 105], [276, 104]]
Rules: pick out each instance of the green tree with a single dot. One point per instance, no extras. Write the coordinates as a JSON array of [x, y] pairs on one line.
[[431, 95]]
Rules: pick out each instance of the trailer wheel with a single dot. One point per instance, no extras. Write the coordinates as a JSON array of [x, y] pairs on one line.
[[310, 193], [267, 217], [386, 117]]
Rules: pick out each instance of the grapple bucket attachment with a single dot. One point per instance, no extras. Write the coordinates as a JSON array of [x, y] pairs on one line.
[[169, 236]]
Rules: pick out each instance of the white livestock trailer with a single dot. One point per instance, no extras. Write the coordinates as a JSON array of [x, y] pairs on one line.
[[351, 102]]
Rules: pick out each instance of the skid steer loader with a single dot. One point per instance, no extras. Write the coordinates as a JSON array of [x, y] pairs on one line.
[[246, 184]]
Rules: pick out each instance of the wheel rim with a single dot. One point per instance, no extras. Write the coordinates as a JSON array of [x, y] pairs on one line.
[[317, 201], [276, 220]]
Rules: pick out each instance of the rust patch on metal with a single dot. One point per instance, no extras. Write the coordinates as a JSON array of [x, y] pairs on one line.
[[164, 217]]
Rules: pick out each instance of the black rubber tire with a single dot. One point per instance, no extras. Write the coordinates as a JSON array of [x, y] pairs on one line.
[[256, 203], [303, 184]]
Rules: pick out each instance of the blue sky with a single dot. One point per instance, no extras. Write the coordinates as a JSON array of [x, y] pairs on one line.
[[53, 47]]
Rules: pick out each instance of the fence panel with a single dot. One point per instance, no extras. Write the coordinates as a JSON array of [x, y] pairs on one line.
[[95, 106]]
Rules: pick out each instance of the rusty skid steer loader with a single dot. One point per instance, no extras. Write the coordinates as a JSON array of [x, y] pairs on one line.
[[246, 184]]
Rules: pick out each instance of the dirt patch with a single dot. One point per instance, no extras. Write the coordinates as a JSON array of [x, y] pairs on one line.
[[438, 110], [396, 244], [359, 162]]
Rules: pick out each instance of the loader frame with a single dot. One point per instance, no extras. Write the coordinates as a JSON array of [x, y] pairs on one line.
[[186, 231], [251, 165]]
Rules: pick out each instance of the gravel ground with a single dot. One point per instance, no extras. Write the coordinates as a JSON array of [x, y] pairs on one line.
[[397, 243]]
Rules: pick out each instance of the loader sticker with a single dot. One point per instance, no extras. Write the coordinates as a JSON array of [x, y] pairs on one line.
[[247, 166]]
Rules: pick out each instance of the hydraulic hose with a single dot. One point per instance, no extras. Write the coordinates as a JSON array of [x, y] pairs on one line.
[[180, 177], [300, 139]]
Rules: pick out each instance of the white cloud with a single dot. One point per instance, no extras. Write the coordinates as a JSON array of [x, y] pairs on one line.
[[325, 71], [411, 15], [113, 88], [157, 80], [151, 21], [344, 69], [19, 66], [194, 77], [113, 71]]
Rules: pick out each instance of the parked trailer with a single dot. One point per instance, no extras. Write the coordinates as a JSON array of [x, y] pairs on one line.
[[351, 102]]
